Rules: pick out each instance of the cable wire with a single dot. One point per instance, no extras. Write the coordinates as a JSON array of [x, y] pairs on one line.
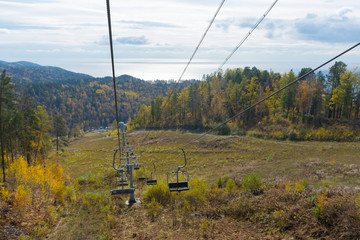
[[247, 35], [191, 58], [267, 97], [197, 47], [235, 49], [113, 70]]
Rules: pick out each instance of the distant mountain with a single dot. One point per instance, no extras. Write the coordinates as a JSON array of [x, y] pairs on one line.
[[84, 101], [27, 72]]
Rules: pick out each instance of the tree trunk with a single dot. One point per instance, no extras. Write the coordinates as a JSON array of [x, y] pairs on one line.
[[2, 141], [57, 145]]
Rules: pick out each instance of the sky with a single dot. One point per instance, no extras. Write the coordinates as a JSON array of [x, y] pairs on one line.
[[155, 39]]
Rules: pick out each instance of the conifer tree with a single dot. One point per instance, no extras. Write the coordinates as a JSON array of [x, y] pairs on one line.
[[60, 133], [7, 97]]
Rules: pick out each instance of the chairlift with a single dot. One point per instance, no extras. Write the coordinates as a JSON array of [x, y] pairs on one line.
[[152, 181], [142, 178], [179, 186], [121, 182], [137, 165]]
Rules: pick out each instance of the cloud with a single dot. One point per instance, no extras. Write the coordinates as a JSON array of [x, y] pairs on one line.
[[147, 24], [142, 40], [337, 28], [27, 27], [4, 30], [56, 50]]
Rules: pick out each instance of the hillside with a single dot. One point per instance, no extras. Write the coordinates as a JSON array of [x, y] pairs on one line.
[[84, 101], [240, 188], [312, 107], [27, 72]]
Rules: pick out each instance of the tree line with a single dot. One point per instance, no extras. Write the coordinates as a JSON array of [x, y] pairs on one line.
[[314, 101], [86, 104], [26, 130]]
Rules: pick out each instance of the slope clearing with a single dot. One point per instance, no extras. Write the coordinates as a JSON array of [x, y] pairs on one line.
[[309, 189]]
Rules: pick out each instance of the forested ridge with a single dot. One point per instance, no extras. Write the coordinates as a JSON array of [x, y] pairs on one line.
[[90, 104], [28, 72], [84, 102], [319, 107]]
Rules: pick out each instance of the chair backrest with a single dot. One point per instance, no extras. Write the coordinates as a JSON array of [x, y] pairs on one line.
[[178, 185], [151, 182], [122, 191]]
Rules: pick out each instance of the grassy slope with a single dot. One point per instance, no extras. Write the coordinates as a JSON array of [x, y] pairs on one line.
[[215, 156], [209, 158]]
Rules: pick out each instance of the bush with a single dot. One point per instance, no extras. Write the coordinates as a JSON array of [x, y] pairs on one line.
[[253, 183], [219, 183], [153, 208], [293, 135], [197, 195], [230, 186], [86, 179], [4, 194], [96, 199], [224, 130], [22, 197], [70, 193], [159, 193]]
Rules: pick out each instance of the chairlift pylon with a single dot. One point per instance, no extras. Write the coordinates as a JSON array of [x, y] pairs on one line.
[[179, 186]]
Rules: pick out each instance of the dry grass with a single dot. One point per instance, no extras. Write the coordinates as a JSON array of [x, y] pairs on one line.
[[324, 165]]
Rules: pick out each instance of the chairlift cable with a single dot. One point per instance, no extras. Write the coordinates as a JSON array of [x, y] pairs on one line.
[[197, 47], [267, 97], [113, 70], [235, 49], [191, 58], [247, 35]]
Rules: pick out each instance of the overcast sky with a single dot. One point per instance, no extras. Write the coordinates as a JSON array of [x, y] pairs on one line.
[[155, 39]]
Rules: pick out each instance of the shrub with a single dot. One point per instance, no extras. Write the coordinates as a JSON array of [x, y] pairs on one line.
[[230, 186], [153, 208], [70, 193], [22, 197], [300, 186], [224, 130], [4, 194], [278, 135], [293, 135], [86, 179], [219, 183], [159, 192], [98, 199], [253, 183], [243, 208], [256, 134], [197, 195]]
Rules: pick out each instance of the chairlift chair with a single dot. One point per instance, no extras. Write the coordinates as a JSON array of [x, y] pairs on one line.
[[121, 182], [142, 178], [179, 186], [152, 181]]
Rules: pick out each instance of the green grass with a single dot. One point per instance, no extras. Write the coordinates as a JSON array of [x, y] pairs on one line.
[[97, 215], [214, 156]]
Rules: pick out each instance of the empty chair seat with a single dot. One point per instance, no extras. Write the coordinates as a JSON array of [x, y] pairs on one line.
[[151, 182], [122, 191], [141, 178], [178, 186], [122, 183]]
